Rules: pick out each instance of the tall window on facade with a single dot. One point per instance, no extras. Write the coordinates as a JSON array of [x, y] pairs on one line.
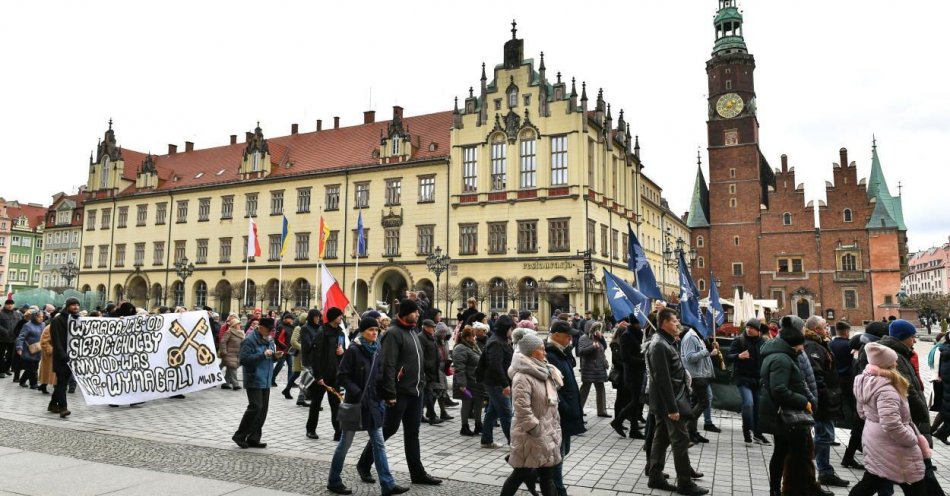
[[204, 209], [333, 197], [849, 262], [224, 250], [201, 252], [250, 296], [559, 235], [303, 200], [737, 269], [603, 240], [779, 296], [848, 215], [391, 242], [179, 250], [139, 254], [332, 243], [91, 220], [302, 294], [527, 236], [141, 214], [700, 262], [499, 165], [529, 162], [158, 253], [103, 256], [702, 285], [201, 294], [497, 238], [513, 97], [227, 207], [250, 203], [178, 294], [161, 210], [426, 239], [182, 215], [273, 247], [361, 198], [613, 178], [276, 202], [106, 218], [614, 238], [87, 257], [528, 295], [427, 189], [469, 169], [469, 289], [120, 255], [590, 163], [624, 247], [787, 219], [123, 218], [302, 246], [468, 239], [559, 161], [850, 299], [365, 247], [393, 191], [396, 143], [592, 236], [498, 294]]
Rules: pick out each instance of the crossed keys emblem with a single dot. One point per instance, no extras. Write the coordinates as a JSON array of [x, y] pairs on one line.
[[176, 354]]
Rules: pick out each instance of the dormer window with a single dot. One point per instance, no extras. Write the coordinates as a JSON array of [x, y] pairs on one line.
[[104, 177], [256, 161], [397, 141]]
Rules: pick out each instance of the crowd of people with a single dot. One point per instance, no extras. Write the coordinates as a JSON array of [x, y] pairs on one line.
[[797, 382]]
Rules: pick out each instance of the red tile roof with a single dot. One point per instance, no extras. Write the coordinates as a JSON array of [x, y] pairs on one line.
[[51, 210], [293, 155], [34, 215]]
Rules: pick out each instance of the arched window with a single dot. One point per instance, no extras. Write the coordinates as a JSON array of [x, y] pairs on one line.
[[848, 217], [273, 294], [528, 294], [513, 97], [104, 175], [178, 293], [787, 219], [101, 294], [701, 262], [119, 293], [302, 294], [157, 295], [201, 294], [250, 295], [529, 162], [498, 293], [849, 262], [469, 289], [732, 202], [700, 241], [702, 284]]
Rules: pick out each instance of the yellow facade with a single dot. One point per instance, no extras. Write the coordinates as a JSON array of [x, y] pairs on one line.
[[571, 181]]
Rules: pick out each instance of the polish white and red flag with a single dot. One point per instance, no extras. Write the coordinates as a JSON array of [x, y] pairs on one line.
[[253, 244], [333, 296]]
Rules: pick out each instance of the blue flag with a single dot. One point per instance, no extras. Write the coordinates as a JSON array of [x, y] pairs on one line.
[[636, 303], [360, 236], [714, 302], [637, 263], [690, 313]]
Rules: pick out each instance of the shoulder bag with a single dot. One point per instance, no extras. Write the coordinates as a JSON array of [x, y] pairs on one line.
[[350, 415]]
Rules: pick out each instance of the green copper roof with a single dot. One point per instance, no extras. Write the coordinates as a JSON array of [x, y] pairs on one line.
[[728, 19], [728, 14], [880, 218], [878, 190], [699, 206]]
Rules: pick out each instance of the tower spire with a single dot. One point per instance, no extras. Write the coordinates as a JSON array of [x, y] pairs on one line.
[[728, 23], [514, 29]]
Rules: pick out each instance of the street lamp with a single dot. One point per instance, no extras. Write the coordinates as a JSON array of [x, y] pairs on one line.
[[184, 269], [69, 271], [437, 263], [671, 255]]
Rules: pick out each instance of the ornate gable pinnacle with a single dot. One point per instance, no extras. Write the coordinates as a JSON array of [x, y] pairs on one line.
[[256, 143]]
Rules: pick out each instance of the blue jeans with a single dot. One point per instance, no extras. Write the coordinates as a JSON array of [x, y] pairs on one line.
[[386, 480], [559, 468], [707, 413], [750, 409], [499, 408], [824, 436]]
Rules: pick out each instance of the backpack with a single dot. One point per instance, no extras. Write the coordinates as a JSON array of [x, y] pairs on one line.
[[482, 365]]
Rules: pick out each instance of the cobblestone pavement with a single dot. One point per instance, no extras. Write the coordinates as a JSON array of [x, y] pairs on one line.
[[192, 437]]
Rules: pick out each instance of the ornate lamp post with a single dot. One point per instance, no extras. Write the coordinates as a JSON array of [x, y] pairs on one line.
[[184, 269], [671, 254], [437, 263], [69, 271]]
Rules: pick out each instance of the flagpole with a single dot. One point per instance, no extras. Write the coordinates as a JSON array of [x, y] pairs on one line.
[[317, 280], [280, 281]]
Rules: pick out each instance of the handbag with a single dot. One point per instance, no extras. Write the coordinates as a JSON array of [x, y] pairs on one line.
[[306, 378], [350, 415], [34, 348], [796, 419]]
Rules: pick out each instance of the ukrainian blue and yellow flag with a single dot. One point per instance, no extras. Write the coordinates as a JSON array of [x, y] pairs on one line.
[[284, 234]]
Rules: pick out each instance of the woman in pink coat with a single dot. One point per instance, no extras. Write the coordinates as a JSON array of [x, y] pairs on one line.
[[894, 451]]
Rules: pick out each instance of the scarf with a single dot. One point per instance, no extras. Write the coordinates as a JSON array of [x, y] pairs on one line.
[[542, 370], [369, 347]]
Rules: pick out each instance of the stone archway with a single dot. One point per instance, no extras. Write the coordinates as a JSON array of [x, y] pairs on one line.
[[803, 308], [222, 297], [390, 283], [136, 291]]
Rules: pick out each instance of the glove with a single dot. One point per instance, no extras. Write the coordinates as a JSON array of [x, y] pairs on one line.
[[808, 407], [467, 393]]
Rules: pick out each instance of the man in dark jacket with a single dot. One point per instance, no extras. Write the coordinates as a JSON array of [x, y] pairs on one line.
[[328, 348], [59, 336], [745, 355], [634, 368], [829, 398], [498, 353], [401, 386], [569, 405], [9, 317], [430, 368], [669, 401], [840, 347]]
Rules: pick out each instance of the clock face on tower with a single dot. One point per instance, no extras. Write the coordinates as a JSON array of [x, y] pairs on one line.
[[729, 105]]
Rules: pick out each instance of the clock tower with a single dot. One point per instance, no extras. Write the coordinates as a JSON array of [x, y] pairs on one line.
[[728, 217]]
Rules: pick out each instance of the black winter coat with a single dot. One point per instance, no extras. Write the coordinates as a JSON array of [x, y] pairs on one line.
[[430, 358], [634, 365], [668, 392], [826, 377], [308, 339], [783, 385], [8, 322], [325, 361], [746, 372], [59, 335], [569, 397], [944, 406], [499, 353], [401, 354], [354, 374]]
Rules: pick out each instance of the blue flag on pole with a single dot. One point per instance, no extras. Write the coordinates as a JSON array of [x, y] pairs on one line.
[[690, 313], [360, 236], [636, 303], [637, 262], [714, 302]]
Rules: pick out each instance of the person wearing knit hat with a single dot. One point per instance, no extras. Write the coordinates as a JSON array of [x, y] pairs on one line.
[[880, 356], [528, 343], [791, 330], [902, 330], [257, 357], [527, 324], [329, 345], [401, 386], [519, 333]]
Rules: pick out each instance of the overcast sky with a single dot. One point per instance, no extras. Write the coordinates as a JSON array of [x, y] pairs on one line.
[[829, 74]]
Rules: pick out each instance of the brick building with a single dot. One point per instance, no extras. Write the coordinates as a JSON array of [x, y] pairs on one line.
[[752, 227]]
